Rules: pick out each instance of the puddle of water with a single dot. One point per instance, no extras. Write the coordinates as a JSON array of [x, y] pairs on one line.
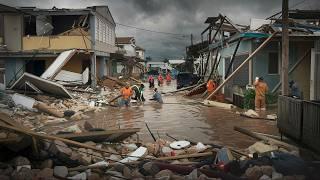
[[181, 119]]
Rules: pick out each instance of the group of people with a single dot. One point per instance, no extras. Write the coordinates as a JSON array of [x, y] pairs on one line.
[[127, 93], [160, 80]]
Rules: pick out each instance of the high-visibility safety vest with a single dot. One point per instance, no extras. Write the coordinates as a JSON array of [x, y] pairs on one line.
[[126, 93], [211, 86]]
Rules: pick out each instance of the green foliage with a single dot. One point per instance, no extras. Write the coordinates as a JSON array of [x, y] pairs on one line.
[[248, 102], [249, 96]]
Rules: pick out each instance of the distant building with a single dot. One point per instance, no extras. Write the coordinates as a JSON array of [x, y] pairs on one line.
[[140, 52], [126, 62]]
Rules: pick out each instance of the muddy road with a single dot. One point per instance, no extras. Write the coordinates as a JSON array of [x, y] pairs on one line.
[[182, 118]]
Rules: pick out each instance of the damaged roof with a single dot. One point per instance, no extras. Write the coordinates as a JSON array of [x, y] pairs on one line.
[[138, 48], [95, 10], [125, 40]]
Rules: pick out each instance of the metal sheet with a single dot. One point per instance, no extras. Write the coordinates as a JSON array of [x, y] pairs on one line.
[[57, 65], [42, 84]]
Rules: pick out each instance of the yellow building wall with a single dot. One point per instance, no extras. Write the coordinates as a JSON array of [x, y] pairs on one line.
[[56, 42]]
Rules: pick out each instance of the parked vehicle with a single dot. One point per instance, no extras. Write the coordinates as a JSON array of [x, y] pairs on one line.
[[185, 79]]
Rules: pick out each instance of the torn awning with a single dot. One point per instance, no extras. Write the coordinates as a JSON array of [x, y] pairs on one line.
[[57, 65], [42, 84]]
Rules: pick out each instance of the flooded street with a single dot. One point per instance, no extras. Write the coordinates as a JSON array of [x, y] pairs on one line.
[[182, 118]]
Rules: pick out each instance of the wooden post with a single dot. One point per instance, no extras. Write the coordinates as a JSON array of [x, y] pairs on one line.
[[241, 65], [233, 58], [285, 49]]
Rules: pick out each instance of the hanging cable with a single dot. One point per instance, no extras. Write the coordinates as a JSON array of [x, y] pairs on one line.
[[160, 32]]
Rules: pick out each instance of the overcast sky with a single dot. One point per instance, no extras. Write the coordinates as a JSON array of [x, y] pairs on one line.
[[172, 16]]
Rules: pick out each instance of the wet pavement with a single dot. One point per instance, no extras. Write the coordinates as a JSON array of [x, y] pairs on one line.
[[182, 118]]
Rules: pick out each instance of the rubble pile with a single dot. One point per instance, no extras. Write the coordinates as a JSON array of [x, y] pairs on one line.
[[159, 160]]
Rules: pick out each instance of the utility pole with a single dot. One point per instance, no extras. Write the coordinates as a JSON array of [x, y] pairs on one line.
[[191, 37], [285, 49]]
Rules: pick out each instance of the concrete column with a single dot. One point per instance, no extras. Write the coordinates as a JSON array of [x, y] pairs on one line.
[[93, 72], [102, 66]]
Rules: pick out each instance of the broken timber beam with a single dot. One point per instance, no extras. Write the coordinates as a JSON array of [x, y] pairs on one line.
[[98, 136], [47, 109], [241, 65], [186, 156], [264, 138], [179, 90], [53, 138], [113, 99]]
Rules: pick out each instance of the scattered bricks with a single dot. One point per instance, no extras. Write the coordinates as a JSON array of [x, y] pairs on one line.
[[264, 177], [267, 170], [276, 176], [60, 149], [46, 164], [164, 173], [97, 157], [254, 172], [22, 174], [20, 161], [127, 172], [3, 135], [193, 175], [136, 174], [8, 171], [60, 171], [150, 168], [44, 173], [94, 176], [4, 177], [85, 157], [90, 143]]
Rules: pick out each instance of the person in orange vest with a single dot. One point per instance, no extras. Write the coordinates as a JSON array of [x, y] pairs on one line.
[[160, 80], [211, 86], [126, 93], [261, 89], [168, 77]]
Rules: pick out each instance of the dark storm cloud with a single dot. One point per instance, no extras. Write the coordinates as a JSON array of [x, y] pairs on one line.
[[174, 16]]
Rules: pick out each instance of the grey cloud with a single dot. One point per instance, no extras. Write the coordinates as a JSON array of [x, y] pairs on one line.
[[175, 16]]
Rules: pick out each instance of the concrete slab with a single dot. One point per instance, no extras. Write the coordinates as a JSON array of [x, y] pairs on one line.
[[42, 84], [57, 65]]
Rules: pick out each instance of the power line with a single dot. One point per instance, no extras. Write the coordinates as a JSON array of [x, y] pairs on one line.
[[160, 32]]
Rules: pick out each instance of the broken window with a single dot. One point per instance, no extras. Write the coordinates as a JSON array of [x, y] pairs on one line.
[[273, 63], [30, 26], [55, 25]]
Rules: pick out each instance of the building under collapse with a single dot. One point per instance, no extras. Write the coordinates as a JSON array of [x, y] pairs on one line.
[[31, 39], [230, 44]]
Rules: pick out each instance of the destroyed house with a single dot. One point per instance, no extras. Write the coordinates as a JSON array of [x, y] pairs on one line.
[[233, 44], [32, 39], [128, 59]]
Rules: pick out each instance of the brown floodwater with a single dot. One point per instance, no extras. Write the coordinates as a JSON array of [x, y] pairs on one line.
[[182, 118]]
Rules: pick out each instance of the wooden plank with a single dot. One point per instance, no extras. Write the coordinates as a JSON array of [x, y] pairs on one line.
[[264, 138], [285, 49], [100, 135], [187, 156], [49, 137], [8, 120]]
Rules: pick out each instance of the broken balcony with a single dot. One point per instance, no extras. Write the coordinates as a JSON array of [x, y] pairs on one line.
[[56, 33]]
